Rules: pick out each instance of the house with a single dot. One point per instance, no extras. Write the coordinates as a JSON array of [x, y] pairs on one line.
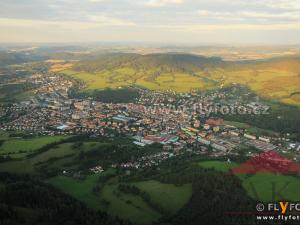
[[206, 126], [97, 169]]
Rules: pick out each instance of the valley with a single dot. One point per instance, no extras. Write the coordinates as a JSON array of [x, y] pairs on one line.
[[148, 139]]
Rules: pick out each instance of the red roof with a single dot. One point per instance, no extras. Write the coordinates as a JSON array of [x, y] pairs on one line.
[[215, 122]]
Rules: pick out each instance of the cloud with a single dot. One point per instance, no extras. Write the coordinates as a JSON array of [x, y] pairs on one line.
[[233, 27], [149, 19], [92, 22], [96, 1], [283, 4], [109, 21], [161, 3], [248, 15]]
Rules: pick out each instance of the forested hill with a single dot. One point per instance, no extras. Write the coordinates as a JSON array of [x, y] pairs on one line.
[[26, 201], [181, 61], [170, 62]]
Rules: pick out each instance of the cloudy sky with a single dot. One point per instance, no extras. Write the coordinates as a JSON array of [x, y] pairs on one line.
[[161, 21]]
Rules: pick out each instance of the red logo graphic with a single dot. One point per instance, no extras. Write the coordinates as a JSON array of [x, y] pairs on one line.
[[268, 162]]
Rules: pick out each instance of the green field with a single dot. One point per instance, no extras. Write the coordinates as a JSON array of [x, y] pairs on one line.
[[62, 153], [80, 189], [168, 196], [124, 205], [260, 187], [20, 147], [127, 206], [217, 165], [27, 165]]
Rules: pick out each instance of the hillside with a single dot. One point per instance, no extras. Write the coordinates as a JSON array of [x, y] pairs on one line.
[[276, 78]]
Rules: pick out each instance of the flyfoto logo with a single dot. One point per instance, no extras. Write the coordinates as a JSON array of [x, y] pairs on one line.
[[281, 207]]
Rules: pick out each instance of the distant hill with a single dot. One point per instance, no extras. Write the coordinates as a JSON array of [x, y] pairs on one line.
[[277, 78], [10, 58], [167, 62]]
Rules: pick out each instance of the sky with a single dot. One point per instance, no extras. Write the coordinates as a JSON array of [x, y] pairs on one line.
[[155, 21]]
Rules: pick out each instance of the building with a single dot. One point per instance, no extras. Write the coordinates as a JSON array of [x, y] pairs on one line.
[[250, 136]]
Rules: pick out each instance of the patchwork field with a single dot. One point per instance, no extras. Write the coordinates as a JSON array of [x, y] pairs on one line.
[[59, 65]]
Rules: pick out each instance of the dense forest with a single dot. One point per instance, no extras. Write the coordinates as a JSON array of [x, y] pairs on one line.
[[123, 95]]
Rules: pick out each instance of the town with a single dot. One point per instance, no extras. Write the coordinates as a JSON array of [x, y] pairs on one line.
[[180, 122]]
